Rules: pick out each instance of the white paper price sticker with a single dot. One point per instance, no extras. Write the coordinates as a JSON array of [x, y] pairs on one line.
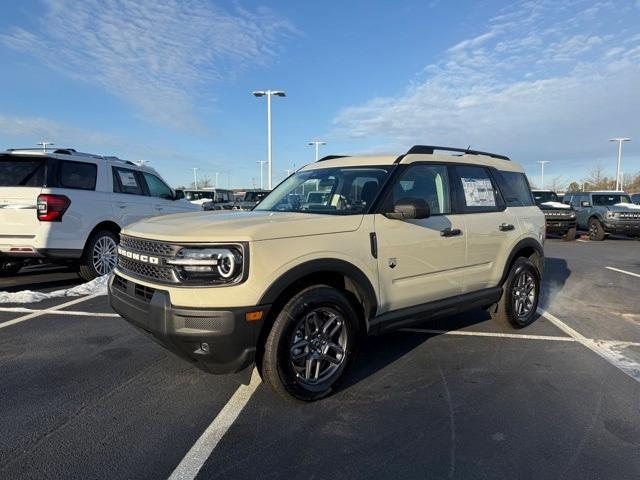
[[478, 192]]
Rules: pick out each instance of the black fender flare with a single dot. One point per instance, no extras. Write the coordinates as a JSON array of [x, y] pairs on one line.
[[522, 244], [330, 265]]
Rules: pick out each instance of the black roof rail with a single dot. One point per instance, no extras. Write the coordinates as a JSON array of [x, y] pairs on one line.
[[64, 151], [429, 149], [332, 157]]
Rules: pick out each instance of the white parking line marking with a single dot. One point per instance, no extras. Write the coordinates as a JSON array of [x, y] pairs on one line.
[[202, 449], [44, 312], [609, 350], [623, 271], [580, 240], [488, 334], [56, 312]]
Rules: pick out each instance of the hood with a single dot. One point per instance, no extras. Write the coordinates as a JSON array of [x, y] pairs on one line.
[[624, 207], [240, 226], [554, 206]]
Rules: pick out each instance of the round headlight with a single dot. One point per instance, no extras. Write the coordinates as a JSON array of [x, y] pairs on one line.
[[227, 265]]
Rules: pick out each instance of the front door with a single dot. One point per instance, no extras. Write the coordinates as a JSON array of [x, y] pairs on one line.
[[420, 260]]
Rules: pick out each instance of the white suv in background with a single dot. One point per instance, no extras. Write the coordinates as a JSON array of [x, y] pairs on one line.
[[67, 206]]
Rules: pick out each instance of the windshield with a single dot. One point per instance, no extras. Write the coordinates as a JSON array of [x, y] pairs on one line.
[[543, 197], [608, 200], [331, 191], [254, 196], [199, 195], [22, 172]]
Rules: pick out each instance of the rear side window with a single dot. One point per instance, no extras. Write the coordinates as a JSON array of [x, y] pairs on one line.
[[515, 189], [22, 172], [126, 181], [477, 190], [157, 188], [77, 175]]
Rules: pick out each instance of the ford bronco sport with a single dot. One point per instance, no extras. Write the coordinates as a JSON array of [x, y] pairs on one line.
[[606, 212], [294, 285], [560, 217]]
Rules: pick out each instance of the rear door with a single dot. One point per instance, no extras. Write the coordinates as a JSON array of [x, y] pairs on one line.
[[21, 181], [130, 203]]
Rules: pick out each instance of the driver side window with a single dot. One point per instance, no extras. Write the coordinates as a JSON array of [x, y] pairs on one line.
[[426, 182]]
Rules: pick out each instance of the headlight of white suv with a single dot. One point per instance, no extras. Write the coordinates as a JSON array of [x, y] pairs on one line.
[[222, 264]]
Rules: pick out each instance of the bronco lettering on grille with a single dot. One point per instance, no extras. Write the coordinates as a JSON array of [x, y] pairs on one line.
[[138, 256]]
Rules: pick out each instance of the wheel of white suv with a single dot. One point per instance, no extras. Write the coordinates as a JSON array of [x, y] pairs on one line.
[[8, 268], [520, 294], [311, 344], [596, 232], [100, 255]]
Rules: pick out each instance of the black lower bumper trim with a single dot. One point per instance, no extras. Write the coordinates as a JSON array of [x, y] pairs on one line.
[[216, 341], [622, 228]]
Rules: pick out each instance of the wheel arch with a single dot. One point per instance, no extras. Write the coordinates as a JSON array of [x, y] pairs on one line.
[[527, 248], [109, 225]]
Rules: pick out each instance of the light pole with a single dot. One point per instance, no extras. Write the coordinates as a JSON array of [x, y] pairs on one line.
[[261, 162], [195, 178], [542, 162], [44, 145], [619, 140], [317, 144], [217, 175], [269, 94]]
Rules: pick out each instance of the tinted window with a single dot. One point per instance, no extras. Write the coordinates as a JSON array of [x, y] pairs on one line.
[[22, 172], [77, 175], [126, 181], [157, 188], [477, 190], [575, 200], [192, 195], [608, 200], [516, 191], [426, 182]]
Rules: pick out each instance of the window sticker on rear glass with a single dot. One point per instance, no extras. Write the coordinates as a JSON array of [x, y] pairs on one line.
[[478, 192], [128, 179]]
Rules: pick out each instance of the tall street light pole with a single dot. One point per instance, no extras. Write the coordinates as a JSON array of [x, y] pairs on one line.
[[317, 144], [542, 162], [619, 140], [269, 94], [217, 175], [44, 145], [261, 162], [195, 178]]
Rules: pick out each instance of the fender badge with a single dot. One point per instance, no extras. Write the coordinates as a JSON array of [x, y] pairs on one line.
[[392, 263]]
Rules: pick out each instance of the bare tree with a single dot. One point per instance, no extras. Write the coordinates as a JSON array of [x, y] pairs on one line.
[[203, 182], [557, 184]]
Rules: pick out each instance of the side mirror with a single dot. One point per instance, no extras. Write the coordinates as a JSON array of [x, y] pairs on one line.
[[178, 195], [585, 203], [409, 209]]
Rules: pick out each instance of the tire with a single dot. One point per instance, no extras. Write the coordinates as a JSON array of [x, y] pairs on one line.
[[9, 268], [100, 255], [523, 272], [309, 314], [570, 235], [596, 232]]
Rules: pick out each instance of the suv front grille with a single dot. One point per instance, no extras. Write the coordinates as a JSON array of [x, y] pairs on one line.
[[148, 247], [152, 272], [629, 216], [556, 215]]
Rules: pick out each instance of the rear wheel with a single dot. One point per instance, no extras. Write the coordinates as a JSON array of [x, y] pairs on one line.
[[311, 345], [520, 293], [570, 235], [100, 255], [596, 231], [9, 267]]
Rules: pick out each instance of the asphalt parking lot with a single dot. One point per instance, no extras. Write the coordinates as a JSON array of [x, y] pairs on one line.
[[84, 395]]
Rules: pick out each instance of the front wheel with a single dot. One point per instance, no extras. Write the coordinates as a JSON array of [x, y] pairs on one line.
[[311, 344], [570, 235], [100, 255], [520, 294], [596, 230], [9, 268]]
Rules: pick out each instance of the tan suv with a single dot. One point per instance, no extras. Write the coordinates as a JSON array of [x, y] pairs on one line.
[[294, 284]]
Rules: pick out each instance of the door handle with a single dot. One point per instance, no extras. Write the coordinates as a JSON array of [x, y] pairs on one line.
[[122, 206], [450, 232], [159, 208], [505, 227]]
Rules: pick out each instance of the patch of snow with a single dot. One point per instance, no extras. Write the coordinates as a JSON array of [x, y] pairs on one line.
[[96, 286], [630, 206], [556, 205]]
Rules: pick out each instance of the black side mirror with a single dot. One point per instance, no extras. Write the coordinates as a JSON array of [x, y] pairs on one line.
[[178, 195], [585, 203], [410, 209]]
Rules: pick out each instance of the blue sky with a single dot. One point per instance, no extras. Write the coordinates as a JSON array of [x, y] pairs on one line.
[[169, 82]]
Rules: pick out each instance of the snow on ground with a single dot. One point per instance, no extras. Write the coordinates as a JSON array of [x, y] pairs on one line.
[[97, 286]]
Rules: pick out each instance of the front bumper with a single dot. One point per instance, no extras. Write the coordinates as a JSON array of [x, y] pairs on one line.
[[556, 226], [622, 228], [230, 339]]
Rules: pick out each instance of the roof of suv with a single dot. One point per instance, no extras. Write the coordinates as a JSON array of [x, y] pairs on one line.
[[420, 153]]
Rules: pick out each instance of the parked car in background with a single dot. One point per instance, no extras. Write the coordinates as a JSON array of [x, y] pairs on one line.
[[294, 285], [605, 212], [67, 206], [560, 217], [635, 198], [249, 198], [210, 198]]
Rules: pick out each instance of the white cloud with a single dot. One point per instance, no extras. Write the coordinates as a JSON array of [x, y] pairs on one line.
[[160, 56], [535, 84]]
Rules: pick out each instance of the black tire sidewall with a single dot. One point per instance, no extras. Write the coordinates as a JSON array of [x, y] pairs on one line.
[[287, 320], [520, 265], [570, 235], [599, 230]]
